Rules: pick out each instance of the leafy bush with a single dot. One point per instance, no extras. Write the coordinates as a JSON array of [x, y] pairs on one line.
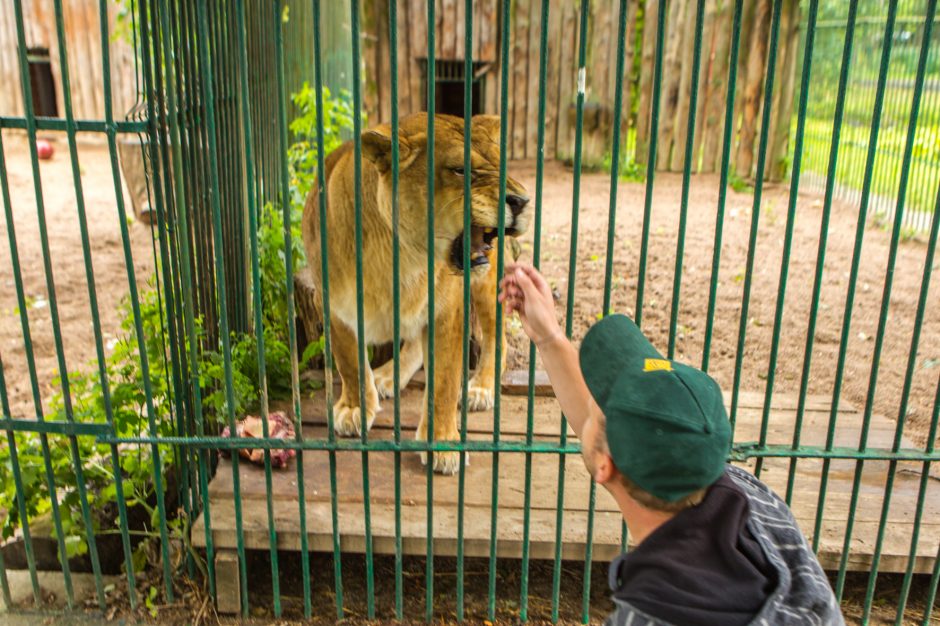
[[125, 375]]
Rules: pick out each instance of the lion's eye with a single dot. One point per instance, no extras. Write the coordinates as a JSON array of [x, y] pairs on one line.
[[458, 171]]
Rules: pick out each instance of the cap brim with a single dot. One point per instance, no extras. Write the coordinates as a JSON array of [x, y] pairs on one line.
[[607, 349]]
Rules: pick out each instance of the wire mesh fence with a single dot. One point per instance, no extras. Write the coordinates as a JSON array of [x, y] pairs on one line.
[[242, 113]]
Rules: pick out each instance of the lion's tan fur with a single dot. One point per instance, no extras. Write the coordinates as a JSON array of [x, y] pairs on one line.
[[377, 276]]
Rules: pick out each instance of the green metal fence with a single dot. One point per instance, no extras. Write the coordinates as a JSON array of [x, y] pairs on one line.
[[214, 112]]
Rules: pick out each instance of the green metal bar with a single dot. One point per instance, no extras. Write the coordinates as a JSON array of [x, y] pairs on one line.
[[396, 324], [187, 292], [15, 462], [823, 233], [465, 341], [569, 308], [360, 315], [723, 184], [70, 429], [500, 262], [686, 174], [51, 292], [925, 478], [536, 257], [810, 38], [253, 223], [166, 300], [292, 332], [209, 101], [739, 452], [932, 592], [614, 154], [81, 126], [903, 406], [650, 165], [129, 264], [755, 211], [325, 281], [429, 365], [856, 257], [882, 325]]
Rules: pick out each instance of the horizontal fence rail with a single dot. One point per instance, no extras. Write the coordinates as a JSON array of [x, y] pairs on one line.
[[693, 107]]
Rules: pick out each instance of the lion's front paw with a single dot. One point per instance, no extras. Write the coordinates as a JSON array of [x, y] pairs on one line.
[[479, 397], [347, 420], [447, 463], [385, 384]]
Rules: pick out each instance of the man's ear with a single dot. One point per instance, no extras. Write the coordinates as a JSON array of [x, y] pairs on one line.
[[377, 147], [604, 469], [485, 127]]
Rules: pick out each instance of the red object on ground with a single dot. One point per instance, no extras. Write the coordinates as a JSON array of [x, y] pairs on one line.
[[44, 149], [279, 427]]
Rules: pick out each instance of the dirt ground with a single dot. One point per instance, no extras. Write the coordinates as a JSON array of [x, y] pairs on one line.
[[68, 266], [111, 279], [696, 273]]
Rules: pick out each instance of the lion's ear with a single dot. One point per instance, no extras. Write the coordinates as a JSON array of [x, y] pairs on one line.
[[377, 147], [486, 126]]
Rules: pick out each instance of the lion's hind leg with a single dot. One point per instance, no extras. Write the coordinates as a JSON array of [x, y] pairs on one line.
[[347, 414]]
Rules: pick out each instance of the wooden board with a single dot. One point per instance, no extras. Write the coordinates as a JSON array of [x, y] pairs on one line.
[[544, 486]]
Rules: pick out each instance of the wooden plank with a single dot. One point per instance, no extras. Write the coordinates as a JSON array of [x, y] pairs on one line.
[[441, 36], [535, 32], [552, 77], [485, 23], [228, 586], [407, 66], [384, 56], [477, 509], [566, 88], [417, 32], [460, 29], [518, 92]]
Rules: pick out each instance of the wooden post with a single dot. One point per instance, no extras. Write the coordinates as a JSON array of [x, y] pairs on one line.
[[753, 90], [650, 17], [716, 90], [227, 582], [783, 97]]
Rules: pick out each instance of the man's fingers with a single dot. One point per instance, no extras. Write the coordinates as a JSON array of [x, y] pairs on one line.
[[536, 277], [525, 283]]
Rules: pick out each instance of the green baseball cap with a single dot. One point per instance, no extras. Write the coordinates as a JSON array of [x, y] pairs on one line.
[[667, 428]]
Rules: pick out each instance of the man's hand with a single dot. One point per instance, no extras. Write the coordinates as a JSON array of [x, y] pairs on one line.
[[525, 291]]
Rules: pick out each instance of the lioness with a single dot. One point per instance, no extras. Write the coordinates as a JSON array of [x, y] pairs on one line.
[[449, 176]]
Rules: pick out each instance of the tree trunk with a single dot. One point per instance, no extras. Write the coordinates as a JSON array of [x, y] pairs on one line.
[[710, 35], [783, 98], [672, 75], [650, 17], [756, 70], [683, 111], [717, 88], [629, 76]]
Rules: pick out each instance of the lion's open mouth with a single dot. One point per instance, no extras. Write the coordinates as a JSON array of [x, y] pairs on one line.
[[481, 242]]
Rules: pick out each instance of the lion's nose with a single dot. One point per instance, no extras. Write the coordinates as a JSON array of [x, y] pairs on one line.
[[516, 203]]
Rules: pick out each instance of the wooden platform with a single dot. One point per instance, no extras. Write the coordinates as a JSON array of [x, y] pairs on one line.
[[544, 490]]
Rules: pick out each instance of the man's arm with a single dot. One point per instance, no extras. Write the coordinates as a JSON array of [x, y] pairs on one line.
[[525, 291]]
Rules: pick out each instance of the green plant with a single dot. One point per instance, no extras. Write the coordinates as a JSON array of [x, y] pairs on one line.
[[302, 154]]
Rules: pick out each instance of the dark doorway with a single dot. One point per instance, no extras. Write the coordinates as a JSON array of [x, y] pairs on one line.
[[449, 86], [41, 82]]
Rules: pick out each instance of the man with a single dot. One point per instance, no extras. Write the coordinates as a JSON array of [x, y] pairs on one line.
[[714, 544]]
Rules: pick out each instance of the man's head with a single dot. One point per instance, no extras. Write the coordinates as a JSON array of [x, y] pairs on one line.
[[662, 431]]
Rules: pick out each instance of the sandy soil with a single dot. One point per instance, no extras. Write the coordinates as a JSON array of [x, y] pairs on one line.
[[111, 278], [696, 272], [67, 261]]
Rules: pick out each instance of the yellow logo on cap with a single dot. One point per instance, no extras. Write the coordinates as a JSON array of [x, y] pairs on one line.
[[657, 365]]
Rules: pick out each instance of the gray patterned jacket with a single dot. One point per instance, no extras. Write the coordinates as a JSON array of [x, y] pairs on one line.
[[803, 595]]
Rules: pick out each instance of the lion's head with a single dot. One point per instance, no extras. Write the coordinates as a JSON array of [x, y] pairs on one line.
[[449, 180]]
